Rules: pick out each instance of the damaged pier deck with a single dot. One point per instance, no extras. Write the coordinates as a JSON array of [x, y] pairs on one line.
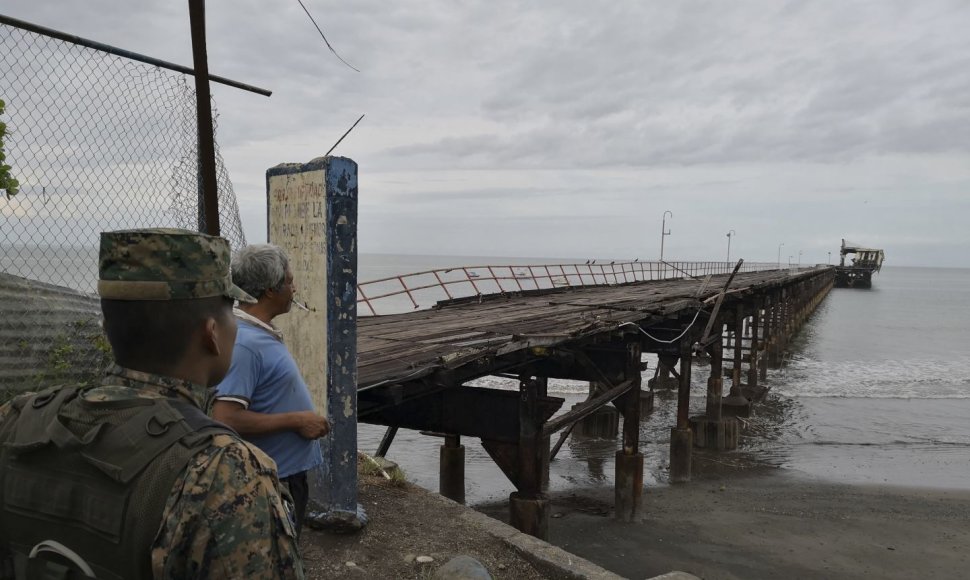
[[412, 369]]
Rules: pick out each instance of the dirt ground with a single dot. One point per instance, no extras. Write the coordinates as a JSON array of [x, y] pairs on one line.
[[406, 522]]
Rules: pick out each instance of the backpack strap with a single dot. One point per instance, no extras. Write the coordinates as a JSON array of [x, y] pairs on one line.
[[203, 426], [125, 449], [36, 412]]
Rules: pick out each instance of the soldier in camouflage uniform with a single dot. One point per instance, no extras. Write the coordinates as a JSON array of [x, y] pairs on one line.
[[130, 479]]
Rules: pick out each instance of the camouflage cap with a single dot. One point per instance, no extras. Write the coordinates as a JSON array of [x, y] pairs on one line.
[[165, 264]]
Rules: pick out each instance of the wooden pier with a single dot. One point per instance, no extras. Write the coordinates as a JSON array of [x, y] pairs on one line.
[[413, 369]]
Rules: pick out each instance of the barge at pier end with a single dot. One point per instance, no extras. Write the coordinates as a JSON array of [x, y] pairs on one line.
[[858, 274]]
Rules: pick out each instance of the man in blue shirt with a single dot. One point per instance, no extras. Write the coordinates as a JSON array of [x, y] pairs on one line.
[[263, 396]]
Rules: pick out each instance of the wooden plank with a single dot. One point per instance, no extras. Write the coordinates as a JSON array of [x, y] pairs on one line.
[[394, 347], [585, 409]]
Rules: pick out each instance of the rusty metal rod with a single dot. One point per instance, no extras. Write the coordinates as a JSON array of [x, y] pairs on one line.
[[208, 184]]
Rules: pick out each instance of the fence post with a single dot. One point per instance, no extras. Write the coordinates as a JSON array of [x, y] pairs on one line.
[[208, 184]]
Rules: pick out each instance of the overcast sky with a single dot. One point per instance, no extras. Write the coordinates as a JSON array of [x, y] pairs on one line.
[[566, 128]]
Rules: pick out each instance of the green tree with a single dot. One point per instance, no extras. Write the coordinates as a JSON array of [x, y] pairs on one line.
[[7, 182]]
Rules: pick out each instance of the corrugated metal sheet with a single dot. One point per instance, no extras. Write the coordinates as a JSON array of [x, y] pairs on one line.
[[48, 335]]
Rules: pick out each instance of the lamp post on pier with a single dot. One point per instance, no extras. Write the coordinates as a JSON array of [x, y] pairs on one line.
[[799, 258], [664, 232], [779, 254], [830, 259], [729, 234]]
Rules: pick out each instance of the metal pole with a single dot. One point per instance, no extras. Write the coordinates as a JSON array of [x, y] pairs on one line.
[[50, 32], [779, 254], [729, 234], [664, 232], [208, 193]]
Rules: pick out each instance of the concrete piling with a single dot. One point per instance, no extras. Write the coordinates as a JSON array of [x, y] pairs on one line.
[[451, 469], [736, 404], [713, 430], [603, 423]]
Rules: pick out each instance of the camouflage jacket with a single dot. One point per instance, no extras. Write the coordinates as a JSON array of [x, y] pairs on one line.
[[225, 516]]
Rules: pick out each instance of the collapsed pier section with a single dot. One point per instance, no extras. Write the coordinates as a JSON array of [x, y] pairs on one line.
[[415, 369]]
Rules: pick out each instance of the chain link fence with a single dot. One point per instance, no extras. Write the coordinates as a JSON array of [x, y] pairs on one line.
[[97, 142]]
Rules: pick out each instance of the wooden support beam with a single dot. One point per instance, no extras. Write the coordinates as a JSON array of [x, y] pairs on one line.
[[386, 441], [471, 411], [586, 409]]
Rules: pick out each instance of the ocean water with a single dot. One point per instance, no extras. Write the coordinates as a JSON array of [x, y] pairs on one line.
[[876, 391]]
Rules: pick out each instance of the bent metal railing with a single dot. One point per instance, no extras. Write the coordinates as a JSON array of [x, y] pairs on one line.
[[423, 289]]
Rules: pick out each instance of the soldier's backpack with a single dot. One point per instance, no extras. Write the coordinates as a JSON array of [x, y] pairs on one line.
[[83, 484]]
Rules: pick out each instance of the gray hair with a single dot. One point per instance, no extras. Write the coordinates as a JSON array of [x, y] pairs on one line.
[[258, 268]]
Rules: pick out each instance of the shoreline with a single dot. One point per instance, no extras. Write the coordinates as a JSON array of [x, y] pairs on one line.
[[769, 525]]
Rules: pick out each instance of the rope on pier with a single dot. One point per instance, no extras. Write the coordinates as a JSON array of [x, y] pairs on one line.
[[672, 340]]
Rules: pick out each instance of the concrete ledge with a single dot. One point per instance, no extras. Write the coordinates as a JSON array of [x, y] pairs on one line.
[[547, 558], [544, 556]]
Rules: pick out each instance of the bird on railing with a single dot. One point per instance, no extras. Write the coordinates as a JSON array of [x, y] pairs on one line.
[[587, 262]]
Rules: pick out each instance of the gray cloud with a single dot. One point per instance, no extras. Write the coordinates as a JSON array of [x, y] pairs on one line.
[[569, 127]]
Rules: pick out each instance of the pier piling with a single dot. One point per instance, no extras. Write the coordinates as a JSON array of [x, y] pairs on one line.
[[629, 460], [736, 404], [529, 507], [681, 436], [451, 476], [713, 430]]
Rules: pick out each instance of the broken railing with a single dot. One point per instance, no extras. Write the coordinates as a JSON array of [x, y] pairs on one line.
[[406, 292]]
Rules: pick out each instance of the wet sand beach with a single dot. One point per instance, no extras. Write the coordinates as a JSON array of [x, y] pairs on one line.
[[771, 525]]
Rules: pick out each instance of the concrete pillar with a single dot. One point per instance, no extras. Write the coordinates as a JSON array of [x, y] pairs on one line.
[[715, 383], [451, 469], [753, 360], [681, 441], [737, 359], [322, 248], [646, 403], [629, 460], [778, 325], [736, 404], [629, 485], [529, 514], [713, 430], [681, 437], [604, 423], [664, 380], [766, 328]]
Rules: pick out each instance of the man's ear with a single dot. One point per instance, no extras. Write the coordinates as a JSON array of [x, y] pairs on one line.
[[210, 336]]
